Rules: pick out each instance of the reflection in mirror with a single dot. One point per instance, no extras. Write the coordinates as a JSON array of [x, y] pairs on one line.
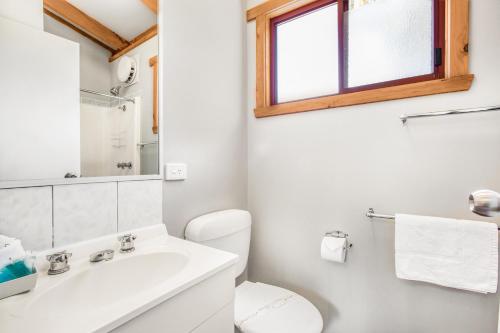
[[116, 81], [111, 127]]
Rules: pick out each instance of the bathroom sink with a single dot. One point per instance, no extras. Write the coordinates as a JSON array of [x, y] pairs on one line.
[[106, 284], [98, 297]]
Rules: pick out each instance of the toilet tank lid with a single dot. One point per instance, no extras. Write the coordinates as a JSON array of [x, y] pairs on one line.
[[218, 224]]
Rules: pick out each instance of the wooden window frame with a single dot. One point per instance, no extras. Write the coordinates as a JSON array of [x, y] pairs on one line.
[[451, 77], [153, 63]]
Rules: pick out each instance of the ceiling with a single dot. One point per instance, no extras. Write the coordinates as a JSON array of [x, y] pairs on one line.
[[117, 25], [127, 18]]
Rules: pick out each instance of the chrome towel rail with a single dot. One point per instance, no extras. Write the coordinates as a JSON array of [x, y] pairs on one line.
[[405, 117], [371, 214]]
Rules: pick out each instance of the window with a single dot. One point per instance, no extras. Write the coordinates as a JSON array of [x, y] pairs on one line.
[[392, 40], [305, 53], [320, 54]]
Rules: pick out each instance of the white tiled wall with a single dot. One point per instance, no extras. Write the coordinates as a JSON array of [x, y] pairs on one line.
[[84, 211], [44, 217], [26, 213], [139, 204]]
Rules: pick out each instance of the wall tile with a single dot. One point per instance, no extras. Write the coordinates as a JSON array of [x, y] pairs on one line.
[[139, 204], [26, 213], [84, 211]]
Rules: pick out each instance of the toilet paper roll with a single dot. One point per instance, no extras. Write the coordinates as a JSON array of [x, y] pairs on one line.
[[334, 249]]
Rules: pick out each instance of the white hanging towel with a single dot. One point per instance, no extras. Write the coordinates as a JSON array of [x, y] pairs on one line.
[[452, 253]]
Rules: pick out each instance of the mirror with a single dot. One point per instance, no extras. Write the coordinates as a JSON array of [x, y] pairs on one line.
[[81, 92]]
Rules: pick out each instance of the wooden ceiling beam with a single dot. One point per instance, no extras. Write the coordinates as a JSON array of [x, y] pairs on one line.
[[152, 4], [78, 30], [82, 21], [138, 40]]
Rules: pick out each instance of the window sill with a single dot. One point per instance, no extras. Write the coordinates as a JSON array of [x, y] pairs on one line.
[[425, 88]]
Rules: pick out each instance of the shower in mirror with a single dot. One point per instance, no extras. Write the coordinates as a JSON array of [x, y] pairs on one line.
[[117, 117], [126, 72], [115, 91], [120, 114]]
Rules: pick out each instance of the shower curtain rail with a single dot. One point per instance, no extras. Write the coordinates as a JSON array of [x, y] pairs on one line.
[[107, 95], [405, 117]]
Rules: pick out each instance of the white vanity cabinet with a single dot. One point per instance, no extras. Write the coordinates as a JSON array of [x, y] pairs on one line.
[[208, 307]]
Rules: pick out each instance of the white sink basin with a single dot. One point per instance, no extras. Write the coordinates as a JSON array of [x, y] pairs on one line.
[[106, 284], [97, 297]]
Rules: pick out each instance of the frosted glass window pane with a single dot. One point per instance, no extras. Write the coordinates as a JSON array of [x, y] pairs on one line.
[[388, 40], [307, 53]]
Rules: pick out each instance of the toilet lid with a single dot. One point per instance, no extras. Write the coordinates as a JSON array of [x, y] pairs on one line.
[[262, 308]]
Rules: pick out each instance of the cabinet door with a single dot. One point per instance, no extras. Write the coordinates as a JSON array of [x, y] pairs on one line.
[[39, 104]]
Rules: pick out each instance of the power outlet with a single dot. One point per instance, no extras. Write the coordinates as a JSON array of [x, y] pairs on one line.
[[176, 171]]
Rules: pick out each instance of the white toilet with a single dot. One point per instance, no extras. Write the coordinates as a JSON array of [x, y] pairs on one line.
[[259, 307]]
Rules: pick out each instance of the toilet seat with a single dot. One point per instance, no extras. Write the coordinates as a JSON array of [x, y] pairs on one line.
[[263, 308]]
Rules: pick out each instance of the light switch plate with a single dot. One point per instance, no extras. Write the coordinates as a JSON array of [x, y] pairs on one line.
[[176, 171]]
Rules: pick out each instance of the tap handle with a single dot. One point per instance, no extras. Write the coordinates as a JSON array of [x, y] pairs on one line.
[[61, 256], [127, 243], [127, 238]]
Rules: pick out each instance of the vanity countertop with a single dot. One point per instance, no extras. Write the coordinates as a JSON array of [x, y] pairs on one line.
[[98, 297]]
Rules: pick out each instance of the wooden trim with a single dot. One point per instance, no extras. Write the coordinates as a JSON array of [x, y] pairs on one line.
[[273, 8], [151, 4], [459, 83], [78, 30], [457, 41], [265, 8], [262, 61], [267, 89], [292, 5], [143, 37], [456, 77], [77, 18], [153, 62]]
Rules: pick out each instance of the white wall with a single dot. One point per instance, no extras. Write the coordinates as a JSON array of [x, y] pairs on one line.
[[204, 118], [39, 108], [95, 70], [314, 172], [29, 12]]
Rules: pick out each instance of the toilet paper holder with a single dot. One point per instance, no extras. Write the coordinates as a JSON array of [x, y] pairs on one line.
[[339, 234]]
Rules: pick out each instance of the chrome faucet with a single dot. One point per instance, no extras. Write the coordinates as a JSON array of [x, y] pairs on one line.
[[103, 255], [127, 243], [58, 262]]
